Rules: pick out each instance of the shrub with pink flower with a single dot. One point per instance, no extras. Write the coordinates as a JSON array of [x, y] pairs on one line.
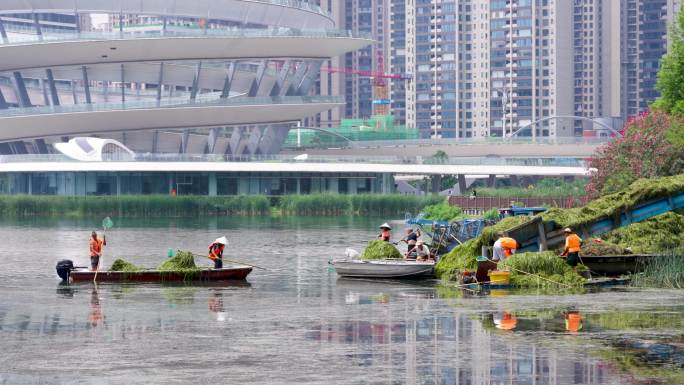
[[649, 148]]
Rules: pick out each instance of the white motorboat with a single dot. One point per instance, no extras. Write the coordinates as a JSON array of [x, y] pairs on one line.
[[385, 268]]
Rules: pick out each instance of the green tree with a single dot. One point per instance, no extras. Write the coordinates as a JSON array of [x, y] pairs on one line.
[[671, 74]]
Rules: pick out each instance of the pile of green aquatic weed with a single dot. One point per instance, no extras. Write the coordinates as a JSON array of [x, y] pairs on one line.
[[612, 205], [123, 265], [378, 249], [660, 234], [546, 265], [464, 256], [183, 261], [600, 247]]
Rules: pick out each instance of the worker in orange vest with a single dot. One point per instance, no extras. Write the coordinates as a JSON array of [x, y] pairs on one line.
[[504, 247], [216, 251], [573, 244], [96, 245]]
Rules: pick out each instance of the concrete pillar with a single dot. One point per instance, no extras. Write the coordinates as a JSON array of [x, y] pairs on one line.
[[353, 186], [29, 189], [491, 180], [118, 184], [514, 181], [212, 184], [436, 182], [299, 186], [243, 185], [333, 185]]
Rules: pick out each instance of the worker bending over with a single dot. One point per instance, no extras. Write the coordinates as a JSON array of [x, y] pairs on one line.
[[504, 247], [216, 251], [573, 244]]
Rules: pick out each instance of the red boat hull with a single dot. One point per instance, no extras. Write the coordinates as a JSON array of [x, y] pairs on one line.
[[204, 275]]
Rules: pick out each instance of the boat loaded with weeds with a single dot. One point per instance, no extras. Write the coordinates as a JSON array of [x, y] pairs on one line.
[[659, 235]]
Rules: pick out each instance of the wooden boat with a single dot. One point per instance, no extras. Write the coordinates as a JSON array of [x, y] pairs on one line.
[[69, 273], [385, 268]]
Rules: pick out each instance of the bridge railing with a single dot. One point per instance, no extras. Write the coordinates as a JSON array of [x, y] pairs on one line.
[[415, 160], [480, 141]]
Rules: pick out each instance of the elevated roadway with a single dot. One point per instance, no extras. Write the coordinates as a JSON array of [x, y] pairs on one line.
[[562, 147], [74, 120], [292, 167], [101, 48], [287, 13]]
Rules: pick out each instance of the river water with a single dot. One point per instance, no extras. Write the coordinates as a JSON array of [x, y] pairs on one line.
[[298, 323]]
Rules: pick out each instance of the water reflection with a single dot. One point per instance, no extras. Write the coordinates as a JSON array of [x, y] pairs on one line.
[[458, 349], [95, 316]]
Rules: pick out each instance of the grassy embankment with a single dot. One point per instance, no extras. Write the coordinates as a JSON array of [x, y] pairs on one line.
[[178, 206], [661, 234]]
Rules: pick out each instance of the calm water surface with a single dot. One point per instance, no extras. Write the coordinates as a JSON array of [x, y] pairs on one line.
[[299, 323]]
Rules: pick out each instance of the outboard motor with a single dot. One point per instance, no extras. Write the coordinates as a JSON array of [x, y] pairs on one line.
[[64, 268]]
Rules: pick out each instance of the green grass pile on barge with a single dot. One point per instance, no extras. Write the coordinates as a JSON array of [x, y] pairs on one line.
[[463, 256], [612, 205], [553, 270], [663, 233], [123, 265], [183, 262], [378, 249]]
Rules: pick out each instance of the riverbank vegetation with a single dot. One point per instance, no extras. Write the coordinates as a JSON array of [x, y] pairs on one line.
[[244, 205], [662, 272], [544, 188]]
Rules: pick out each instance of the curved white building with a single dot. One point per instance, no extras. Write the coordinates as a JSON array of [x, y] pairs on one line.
[[205, 76]]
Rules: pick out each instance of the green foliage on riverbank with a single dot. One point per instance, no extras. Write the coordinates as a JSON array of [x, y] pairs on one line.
[[662, 272], [377, 249], [132, 205], [547, 187], [361, 204], [191, 205], [443, 212]]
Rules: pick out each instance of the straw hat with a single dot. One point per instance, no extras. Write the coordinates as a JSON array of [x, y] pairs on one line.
[[567, 230], [223, 240], [385, 226]]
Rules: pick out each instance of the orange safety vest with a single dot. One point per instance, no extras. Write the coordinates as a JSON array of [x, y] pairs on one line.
[[216, 252], [95, 247], [573, 243], [508, 243]]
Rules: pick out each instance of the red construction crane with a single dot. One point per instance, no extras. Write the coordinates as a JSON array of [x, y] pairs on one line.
[[381, 99]]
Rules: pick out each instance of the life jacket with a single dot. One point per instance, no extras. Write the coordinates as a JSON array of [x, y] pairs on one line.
[[95, 247], [573, 243], [215, 251]]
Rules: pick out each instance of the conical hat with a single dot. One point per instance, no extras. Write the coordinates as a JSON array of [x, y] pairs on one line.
[[385, 225], [223, 240]]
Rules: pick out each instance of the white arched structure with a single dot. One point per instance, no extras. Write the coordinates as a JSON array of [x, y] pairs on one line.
[[95, 149]]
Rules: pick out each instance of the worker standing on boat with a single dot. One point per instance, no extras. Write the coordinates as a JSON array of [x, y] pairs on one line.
[[216, 251], [573, 244], [385, 232], [96, 245], [411, 238]]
